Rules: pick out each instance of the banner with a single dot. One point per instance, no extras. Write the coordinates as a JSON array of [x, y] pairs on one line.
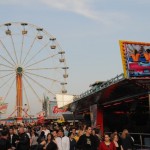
[[93, 115], [135, 59], [3, 108]]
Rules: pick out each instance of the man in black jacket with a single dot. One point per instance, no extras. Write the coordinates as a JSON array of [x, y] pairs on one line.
[[86, 141], [24, 142], [13, 138]]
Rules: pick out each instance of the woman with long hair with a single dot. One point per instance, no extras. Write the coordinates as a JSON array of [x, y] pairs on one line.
[[49, 144], [115, 139], [107, 144], [33, 141]]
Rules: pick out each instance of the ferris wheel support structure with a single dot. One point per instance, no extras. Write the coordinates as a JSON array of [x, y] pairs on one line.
[[19, 94]]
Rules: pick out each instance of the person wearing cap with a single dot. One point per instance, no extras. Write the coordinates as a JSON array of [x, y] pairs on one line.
[[62, 141]]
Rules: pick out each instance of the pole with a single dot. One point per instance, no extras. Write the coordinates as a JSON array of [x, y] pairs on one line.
[[73, 118], [19, 95]]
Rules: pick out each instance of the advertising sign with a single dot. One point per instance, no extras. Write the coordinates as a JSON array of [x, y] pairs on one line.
[[135, 59], [55, 112]]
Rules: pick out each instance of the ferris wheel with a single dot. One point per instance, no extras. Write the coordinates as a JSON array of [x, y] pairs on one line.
[[32, 62]]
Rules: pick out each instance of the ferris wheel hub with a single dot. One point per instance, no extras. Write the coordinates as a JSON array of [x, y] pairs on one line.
[[19, 70]]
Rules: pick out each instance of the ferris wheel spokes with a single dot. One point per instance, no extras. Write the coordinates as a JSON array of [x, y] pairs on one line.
[[24, 32], [6, 60], [32, 89], [26, 97], [29, 50], [5, 75], [41, 60], [7, 51], [44, 77], [7, 80], [6, 66], [9, 89], [44, 68], [21, 48], [37, 53], [14, 48], [39, 84]]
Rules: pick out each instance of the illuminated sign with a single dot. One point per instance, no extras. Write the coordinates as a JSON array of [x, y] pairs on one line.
[[135, 59]]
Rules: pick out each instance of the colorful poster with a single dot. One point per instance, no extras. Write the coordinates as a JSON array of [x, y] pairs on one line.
[[135, 59]]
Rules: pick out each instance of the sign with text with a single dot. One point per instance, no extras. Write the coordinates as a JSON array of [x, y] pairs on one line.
[[55, 112]]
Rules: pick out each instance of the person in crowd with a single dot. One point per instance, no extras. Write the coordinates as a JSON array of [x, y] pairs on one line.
[[40, 140], [24, 142], [62, 141], [39, 131], [115, 139], [79, 133], [66, 132], [33, 141], [54, 133], [86, 141], [72, 141], [4, 142], [107, 144], [147, 55], [126, 140], [13, 138], [75, 136], [49, 144], [46, 131], [95, 133], [135, 56]]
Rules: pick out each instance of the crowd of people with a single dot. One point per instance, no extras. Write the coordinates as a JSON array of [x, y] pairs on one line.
[[62, 137]]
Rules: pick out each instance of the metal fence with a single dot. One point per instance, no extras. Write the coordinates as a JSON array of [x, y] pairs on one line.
[[141, 140], [97, 88]]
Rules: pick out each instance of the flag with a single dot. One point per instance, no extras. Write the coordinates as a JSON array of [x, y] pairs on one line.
[[40, 117], [3, 108]]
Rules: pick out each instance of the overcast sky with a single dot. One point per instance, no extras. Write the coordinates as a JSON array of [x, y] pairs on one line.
[[88, 30]]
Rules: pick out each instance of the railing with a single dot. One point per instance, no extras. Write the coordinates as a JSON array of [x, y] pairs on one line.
[[141, 140], [97, 88]]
